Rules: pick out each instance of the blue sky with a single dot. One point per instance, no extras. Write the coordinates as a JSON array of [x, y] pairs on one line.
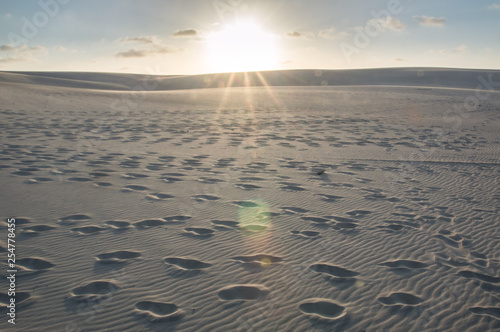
[[175, 37]]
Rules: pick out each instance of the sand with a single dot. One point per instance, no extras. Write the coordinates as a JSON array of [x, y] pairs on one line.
[[370, 206]]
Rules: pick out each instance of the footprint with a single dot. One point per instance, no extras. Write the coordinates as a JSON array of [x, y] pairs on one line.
[[186, 263], [103, 184], [39, 228], [73, 219], [400, 298], [245, 186], [253, 228], [260, 260], [132, 176], [246, 204], [317, 220], [242, 292], [34, 264], [487, 311], [87, 230], [294, 210], [199, 231], [149, 223], [291, 187], [322, 308], [403, 263], [158, 196], [133, 187], [202, 198], [225, 223], [159, 311], [176, 219], [358, 213], [330, 198], [479, 276], [118, 256], [94, 291], [22, 298], [307, 234], [118, 224], [345, 225], [333, 270]]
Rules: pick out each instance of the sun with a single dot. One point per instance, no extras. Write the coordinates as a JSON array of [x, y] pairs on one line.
[[242, 46]]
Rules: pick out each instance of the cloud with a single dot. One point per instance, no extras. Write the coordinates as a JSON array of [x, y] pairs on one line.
[[428, 21], [296, 34], [8, 15], [141, 53], [398, 59], [186, 33], [332, 33], [494, 6], [389, 23], [141, 40], [20, 53], [151, 46], [460, 49]]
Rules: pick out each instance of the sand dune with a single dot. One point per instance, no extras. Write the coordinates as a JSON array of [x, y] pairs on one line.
[[370, 204], [424, 77]]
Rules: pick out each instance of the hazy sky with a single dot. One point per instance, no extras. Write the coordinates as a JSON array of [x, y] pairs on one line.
[[201, 36]]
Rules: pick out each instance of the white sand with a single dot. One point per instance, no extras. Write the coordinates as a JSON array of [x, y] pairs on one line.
[[344, 208]]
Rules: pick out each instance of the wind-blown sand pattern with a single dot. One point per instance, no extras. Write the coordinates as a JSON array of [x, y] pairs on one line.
[[340, 208]]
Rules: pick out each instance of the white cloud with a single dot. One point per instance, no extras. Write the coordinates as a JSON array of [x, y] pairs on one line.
[[428, 21], [389, 23], [20, 53], [398, 59], [332, 33], [7, 15], [460, 49], [186, 33], [155, 47], [296, 34], [494, 6]]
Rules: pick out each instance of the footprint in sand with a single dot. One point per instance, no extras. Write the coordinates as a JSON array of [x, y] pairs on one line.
[[36, 229], [88, 230], [159, 311], [400, 299], [133, 176], [22, 299], [186, 263], [118, 224], [258, 261], [307, 234], [103, 184], [34, 264], [224, 223], [133, 187], [146, 223], [73, 219], [242, 292], [246, 186], [94, 291], [323, 309], [486, 311], [121, 256], [199, 231], [294, 210], [158, 197], [203, 198], [176, 219]]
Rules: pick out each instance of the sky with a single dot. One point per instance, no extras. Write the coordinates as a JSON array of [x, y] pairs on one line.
[[181, 37]]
